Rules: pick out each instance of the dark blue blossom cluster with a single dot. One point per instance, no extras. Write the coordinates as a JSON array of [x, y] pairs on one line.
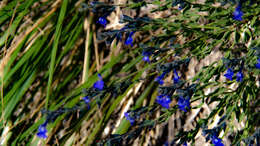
[[237, 15], [258, 64], [184, 103], [216, 141], [129, 39], [42, 130], [99, 85], [159, 79], [102, 20], [212, 134], [165, 94], [164, 100], [98, 90], [146, 56], [109, 36], [230, 72], [176, 77], [52, 115], [184, 97], [95, 91], [131, 119], [86, 99], [101, 8], [132, 115], [229, 75]]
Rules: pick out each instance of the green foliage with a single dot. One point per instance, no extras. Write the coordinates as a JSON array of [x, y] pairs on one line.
[[42, 67]]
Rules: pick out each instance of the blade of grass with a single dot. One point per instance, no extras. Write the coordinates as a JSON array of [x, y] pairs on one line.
[[16, 22], [88, 42], [55, 48], [19, 94]]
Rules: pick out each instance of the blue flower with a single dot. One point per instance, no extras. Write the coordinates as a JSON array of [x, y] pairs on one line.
[[258, 64], [229, 74], [185, 144], [237, 14], [129, 39], [102, 21], [86, 99], [99, 85], [175, 77], [240, 76], [146, 56], [42, 131], [129, 118], [216, 141], [159, 79], [183, 103], [164, 100]]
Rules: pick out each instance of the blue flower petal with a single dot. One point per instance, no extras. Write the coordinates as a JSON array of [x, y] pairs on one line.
[[86, 99], [176, 78], [216, 141], [229, 74], [129, 39], [42, 131], [102, 21], [41, 135], [99, 85], [240, 76], [159, 79], [146, 58], [183, 104], [237, 14], [164, 100], [130, 119], [258, 64]]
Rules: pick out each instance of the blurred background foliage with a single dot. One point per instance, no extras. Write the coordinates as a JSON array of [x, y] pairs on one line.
[[52, 50]]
